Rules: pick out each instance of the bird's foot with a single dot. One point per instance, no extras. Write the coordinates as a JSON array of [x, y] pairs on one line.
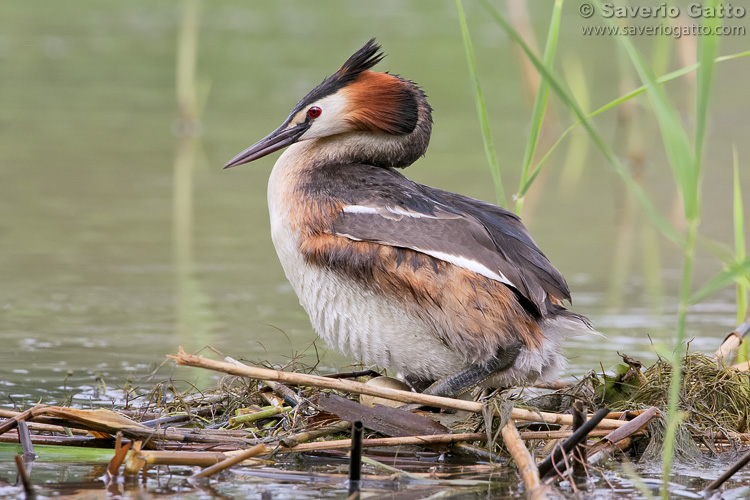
[[453, 386]]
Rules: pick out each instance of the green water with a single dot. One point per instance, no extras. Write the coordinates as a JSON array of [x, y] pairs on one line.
[[90, 283]]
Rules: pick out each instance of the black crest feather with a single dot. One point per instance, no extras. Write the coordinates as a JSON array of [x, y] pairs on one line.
[[365, 58], [362, 60]]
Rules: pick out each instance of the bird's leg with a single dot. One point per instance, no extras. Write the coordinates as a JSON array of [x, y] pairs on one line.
[[417, 383], [453, 385]]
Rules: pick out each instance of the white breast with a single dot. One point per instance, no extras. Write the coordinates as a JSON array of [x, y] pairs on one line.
[[368, 326]]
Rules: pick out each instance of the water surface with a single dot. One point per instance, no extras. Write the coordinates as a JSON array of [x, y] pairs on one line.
[[93, 292]]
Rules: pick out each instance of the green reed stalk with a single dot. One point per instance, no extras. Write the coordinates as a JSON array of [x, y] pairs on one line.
[[740, 252], [489, 148], [686, 163], [540, 101], [685, 159]]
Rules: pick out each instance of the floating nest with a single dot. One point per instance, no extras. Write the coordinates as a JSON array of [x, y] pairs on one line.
[[714, 397]]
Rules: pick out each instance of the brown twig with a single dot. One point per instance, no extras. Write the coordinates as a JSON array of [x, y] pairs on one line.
[[110, 422], [522, 457], [36, 426], [561, 434], [634, 426], [345, 444], [84, 441], [189, 458], [12, 422], [303, 437], [729, 473], [28, 488], [553, 386], [279, 389], [256, 450], [185, 359]]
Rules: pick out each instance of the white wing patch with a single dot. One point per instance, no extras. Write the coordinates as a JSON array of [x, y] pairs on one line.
[[359, 209], [414, 215], [470, 264], [363, 209]]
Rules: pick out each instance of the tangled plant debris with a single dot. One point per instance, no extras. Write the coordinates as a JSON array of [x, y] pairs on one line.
[[257, 415]]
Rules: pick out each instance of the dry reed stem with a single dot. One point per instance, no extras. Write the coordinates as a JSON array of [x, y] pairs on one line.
[[12, 422], [189, 458], [561, 434], [634, 426], [277, 388], [305, 436], [121, 451], [732, 342], [134, 463], [428, 439], [727, 437], [617, 415], [23, 474], [185, 359], [524, 460], [729, 347], [256, 450], [34, 426]]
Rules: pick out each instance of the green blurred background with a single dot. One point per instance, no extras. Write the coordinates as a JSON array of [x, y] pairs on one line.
[[121, 237]]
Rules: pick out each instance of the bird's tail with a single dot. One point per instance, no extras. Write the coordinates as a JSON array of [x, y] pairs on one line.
[[563, 323]]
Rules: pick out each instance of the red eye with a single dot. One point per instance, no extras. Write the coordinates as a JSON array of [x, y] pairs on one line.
[[314, 112]]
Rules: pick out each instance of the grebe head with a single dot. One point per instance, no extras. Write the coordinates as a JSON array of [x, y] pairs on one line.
[[356, 116]]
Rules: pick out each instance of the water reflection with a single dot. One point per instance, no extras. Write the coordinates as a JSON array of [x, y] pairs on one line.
[[194, 318]]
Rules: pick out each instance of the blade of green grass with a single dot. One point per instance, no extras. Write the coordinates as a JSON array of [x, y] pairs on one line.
[[489, 148], [708, 46], [612, 104], [661, 54], [540, 100], [739, 238], [739, 244], [676, 142], [685, 162], [575, 157], [736, 272], [566, 97]]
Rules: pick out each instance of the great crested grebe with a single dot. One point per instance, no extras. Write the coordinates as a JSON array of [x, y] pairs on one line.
[[445, 289]]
